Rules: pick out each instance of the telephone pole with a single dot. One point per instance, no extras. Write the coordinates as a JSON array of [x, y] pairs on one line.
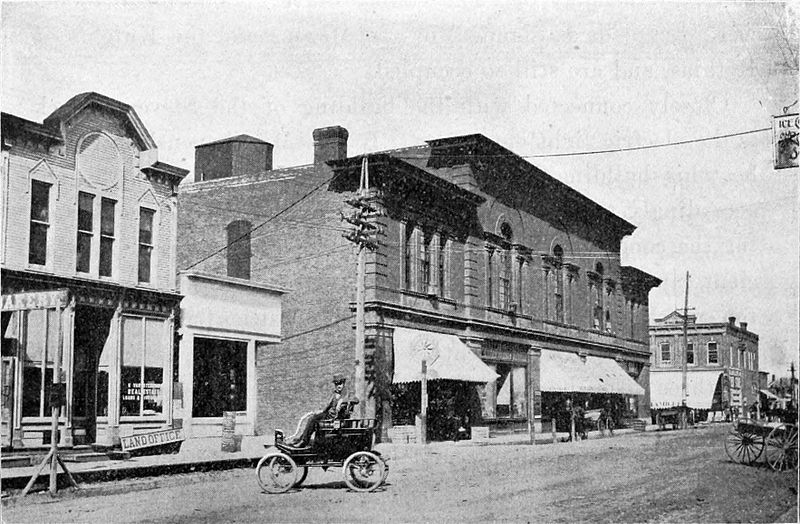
[[363, 235], [684, 359]]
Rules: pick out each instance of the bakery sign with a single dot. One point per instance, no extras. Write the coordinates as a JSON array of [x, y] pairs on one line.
[[785, 140], [155, 438]]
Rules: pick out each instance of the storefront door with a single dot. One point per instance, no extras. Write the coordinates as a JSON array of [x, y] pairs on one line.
[[90, 384], [7, 387]]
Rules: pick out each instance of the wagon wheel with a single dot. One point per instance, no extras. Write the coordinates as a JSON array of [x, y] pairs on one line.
[[276, 472], [743, 446], [303, 475], [363, 471], [782, 447]]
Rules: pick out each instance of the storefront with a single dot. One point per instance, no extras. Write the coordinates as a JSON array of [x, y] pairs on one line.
[[457, 382], [116, 361], [224, 323]]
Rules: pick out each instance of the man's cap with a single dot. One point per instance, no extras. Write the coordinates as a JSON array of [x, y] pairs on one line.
[[338, 378]]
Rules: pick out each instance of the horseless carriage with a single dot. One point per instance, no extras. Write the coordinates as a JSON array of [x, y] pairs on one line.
[[749, 439], [343, 442]]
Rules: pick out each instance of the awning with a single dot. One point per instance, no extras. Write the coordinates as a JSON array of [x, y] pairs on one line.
[[769, 394], [569, 373], [666, 389], [446, 356]]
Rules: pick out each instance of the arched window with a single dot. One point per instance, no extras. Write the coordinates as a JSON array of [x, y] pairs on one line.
[[239, 248], [504, 289]]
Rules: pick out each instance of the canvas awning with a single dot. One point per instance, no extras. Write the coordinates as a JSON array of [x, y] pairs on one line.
[[666, 389], [569, 373], [446, 356], [769, 394]]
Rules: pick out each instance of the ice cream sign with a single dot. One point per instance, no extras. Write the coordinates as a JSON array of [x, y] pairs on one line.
[[785, 140]]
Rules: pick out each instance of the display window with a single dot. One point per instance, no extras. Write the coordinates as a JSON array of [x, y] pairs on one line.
[[143, 359]]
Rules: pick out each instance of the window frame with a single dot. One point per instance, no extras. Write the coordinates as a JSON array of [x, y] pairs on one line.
[[107, 238], [142, 351], [148, 247], [708, 353], [661, 353], [85, 231], [39, 223], [692, 352]]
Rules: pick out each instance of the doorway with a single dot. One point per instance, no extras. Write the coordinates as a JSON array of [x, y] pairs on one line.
[[90, 379]]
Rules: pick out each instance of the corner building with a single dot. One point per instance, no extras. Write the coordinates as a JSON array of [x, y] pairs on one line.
[[89, 221], [512, 278]]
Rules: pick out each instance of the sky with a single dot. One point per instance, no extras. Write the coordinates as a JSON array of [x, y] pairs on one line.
[[539, 78]]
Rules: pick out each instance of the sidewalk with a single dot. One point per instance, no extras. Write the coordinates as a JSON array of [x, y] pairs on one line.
[[205, 454]]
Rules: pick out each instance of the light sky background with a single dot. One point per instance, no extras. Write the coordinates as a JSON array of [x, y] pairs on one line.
[[538, 78]]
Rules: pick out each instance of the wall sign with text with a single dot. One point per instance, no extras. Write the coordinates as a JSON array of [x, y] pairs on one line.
[[785, 140]]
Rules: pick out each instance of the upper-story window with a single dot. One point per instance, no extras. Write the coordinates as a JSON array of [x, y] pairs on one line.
[[504, 289], [40, 222], [596, 298], [239, 253], [107, 236], [442, 263], [490, 254], [666, 354], [146, 243], [408, 256], [690, 353], [558, 288], [425, 261], [713, 353], [85, 232]]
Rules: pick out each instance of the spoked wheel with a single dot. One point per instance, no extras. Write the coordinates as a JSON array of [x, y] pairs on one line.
[[743, 446], [303, 475], [277, 472], [364, 471], [782, 447]]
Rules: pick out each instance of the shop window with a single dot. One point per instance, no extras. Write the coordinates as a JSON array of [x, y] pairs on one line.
[[666, 354], [690, 353], [145, 243], [85, 232], [40, 336], [40, 222], [239, 254], [713, 354], [144, 354], [511, 398], [220, 377], [107, 226]]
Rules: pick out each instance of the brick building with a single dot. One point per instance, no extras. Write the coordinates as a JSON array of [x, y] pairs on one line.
[[479, 253], [89, 222], [722, 364]]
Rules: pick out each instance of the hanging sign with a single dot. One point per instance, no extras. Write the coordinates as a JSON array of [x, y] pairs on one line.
[[785, 140]]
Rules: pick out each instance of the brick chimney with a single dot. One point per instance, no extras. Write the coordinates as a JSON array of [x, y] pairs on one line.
[[234, 156], [330, 143], [743, 325], [732, 321]]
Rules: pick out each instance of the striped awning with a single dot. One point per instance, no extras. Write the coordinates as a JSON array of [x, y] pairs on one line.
[[445, 355], [569, 373]]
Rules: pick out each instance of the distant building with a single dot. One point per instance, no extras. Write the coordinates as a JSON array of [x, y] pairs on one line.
[[511, 278], [89, 219], [722, 364]]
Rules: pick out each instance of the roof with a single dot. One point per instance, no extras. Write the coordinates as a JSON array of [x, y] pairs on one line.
[[238, 138], [79, 102], [163, 168], [13, 125]]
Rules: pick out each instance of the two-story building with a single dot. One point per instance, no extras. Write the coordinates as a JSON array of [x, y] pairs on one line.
[[721, 364], [87, 256], [509, 281]]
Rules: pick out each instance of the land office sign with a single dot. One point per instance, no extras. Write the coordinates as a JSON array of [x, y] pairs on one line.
[[785, 139], [148, 440]]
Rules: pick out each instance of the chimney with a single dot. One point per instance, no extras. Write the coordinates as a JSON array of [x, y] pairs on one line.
[[330, 143], [234, 156], [743, 325], [732, 321]]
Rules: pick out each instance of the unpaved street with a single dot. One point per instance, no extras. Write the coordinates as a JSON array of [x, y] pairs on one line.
[[656, 477]]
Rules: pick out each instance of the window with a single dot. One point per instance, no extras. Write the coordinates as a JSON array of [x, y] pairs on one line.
[[107, 219], [442, 263], [85, 232], [690, 353], [558, 288], [145, 243], [504, 288], [220, 376], [489, 277], [609, 300], [713, 355], [144, 353], [511, 398], [425, 260], [38, 356], [666, 356], [597, 305], [408, 250], [239, 254], [40, 222]]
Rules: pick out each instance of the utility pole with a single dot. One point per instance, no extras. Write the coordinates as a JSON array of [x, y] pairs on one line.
[[684, 359], [363, 235], [794, 389]]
